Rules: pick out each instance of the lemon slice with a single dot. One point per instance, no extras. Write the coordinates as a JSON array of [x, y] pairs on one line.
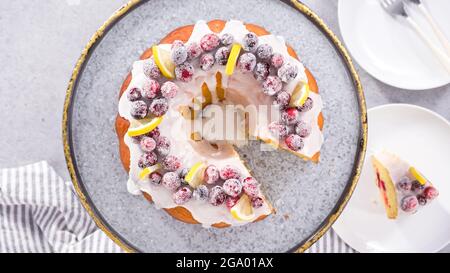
[[232, 59], [195, 175], [149, 170], [164, 62], [418, 176], [243, 210], [300, 95], [144, 127]]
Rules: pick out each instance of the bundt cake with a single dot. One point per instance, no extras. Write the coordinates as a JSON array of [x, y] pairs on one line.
[[401, 185], [190, 99]]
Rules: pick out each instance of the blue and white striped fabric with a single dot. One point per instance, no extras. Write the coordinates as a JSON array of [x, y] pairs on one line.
[[39, 212]]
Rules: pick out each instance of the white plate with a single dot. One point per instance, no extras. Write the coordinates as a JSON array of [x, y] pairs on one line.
[[390, 50], [422, 138]]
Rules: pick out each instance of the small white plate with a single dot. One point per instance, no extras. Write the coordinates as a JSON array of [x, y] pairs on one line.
[[389, 49], [422, 138]]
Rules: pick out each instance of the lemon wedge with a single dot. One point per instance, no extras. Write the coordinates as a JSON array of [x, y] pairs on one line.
[[417, 175], [164, 62], [300, 95], [149, 170], [195, 175], [145, 126], [232, 59], [243, 210]]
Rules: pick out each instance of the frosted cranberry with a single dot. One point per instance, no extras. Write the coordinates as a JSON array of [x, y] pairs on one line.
[[169, 90], [247, 62], [176, 43], [222, 55], [231, 201], [257, 202], [147, 160], [159, 107], [430, 193], [416, 187], [409, 203], [209, 42], [264, 51], [179, 54], [217, 196], [150, 89], [226, 39], [308, 105], [163, 146], [303, 129], [139, 109], [207, 61], [272, 85], [150, 69], [294, 142], [278, 129], [288, 72], [194, 50], [182, 195], [290, 116], [262, 71], [211, 174], [277, 60], [155, 133], [171, 163], [147, 144], [229, 172], [155, 178], [404, 184], [250, 42], [171, 181], [184, 72], [282, 100], [201, 193], [250, 186], [232, 187], [421, 199], [134, 94]]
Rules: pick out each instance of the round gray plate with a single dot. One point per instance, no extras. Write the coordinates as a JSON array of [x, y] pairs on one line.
[[307, 196]]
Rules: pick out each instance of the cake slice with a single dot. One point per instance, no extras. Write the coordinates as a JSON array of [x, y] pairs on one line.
[[401, 185]]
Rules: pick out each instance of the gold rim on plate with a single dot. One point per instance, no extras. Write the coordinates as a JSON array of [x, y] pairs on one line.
[[323, 227]]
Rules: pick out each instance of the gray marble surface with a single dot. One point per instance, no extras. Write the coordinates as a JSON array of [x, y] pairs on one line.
[[40, 43]]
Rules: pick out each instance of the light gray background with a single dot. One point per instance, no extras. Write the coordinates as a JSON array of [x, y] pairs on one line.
[[40, 41]]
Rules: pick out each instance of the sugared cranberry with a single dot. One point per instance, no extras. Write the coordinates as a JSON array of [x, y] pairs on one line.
[[282, 100], [194, 50], [207, 61], [134, 94], [264, 51], [169, 90], [257, 202], [250, 42], [139, 109], [150, 89], [290, 116], [232, 187], [308, 105], [430, 193], [404, 184], [250, 186], [222, 55], [163, 146], [176, 44], [278, 129], [421, 199], [416, 187], [179, 54], [209, 42], [150, 69], [288, 72], [294, 142], [231, 201], [262, 71], [229, 172], [303, 129], [171, 163], [277, 60], [155, 178], [211, 174], [182, 195], [247, 62], [409, 203], [171, 181], [201, 193], [217, 196], [147, 144], [155, 133], [182, 173], [159, 107], [147, 160], [272, 85], [184, 72], [226, 39]]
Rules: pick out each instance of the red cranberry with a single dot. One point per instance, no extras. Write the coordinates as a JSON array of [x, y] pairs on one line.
[[171, 163], [155, 133], [232, 187], [194, 50], [247, 62], [207, 61], [211, 174], [294, 142], [155, 178], [250, 187], [201, 193], [257, 202], [272, 85], [404, 184], [277, 60], [163, 146], [179, 54], [147, 144], [303, 129], [150, 89], [416, 187], [182, 195], [231, 201], [209, 42], [184, 72], [139, 109], [307, 106], [264, 51], [282, 100], [421, 199], [150, 69], [278, 129], [171, 181], [217, 196], [288, 72], [169, 90], [226, 39], [409, 203], [290, 116], [159, 107], [222, 55], [430, 193], [134, 94], [250, 42], [229, 172], [147, 160], [176, 43], [262, 71]]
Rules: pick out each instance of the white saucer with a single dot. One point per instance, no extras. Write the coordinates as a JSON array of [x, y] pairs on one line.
[[422, 138], [389, 50]]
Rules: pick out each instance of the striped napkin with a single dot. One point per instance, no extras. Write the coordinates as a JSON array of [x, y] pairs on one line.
[[39, 212]]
